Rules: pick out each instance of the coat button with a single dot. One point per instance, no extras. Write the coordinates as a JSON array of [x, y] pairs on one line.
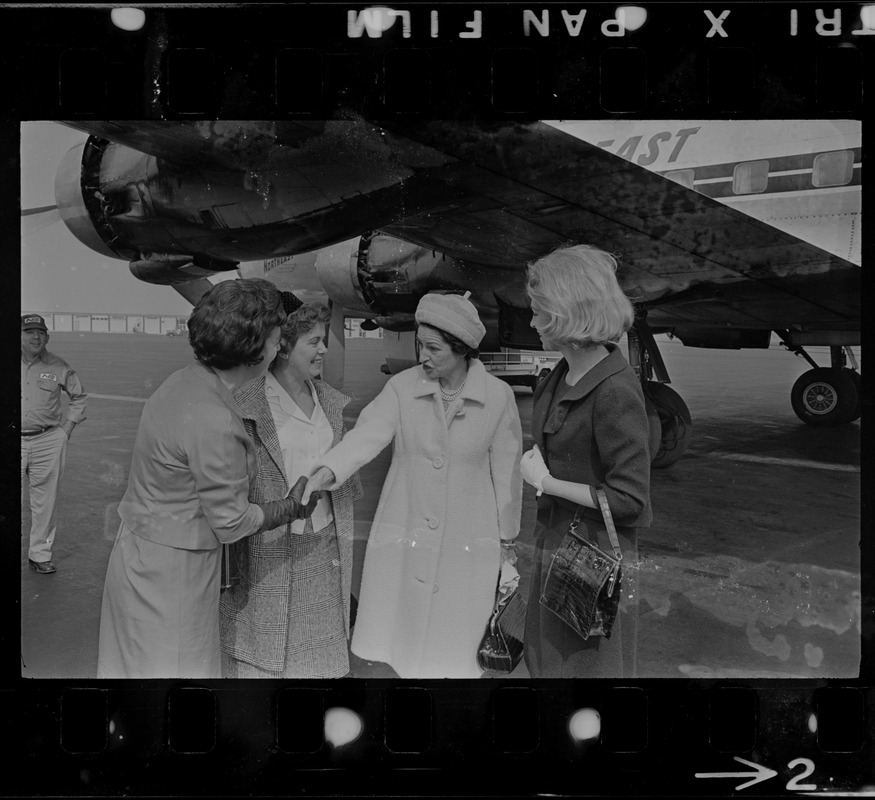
[[437, 463], [433, 523]]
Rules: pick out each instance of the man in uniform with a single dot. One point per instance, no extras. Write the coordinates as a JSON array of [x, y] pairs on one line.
[[44, 432]]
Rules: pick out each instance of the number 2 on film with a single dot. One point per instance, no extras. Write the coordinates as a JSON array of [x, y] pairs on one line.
[[808, 768]]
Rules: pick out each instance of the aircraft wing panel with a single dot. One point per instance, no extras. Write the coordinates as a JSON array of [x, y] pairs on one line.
[[258, 145], [503, 194], [538, 187]]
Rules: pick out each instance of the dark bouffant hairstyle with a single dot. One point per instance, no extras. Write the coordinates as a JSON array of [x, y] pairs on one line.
[[301, 322], [455, 343], [231, 322]]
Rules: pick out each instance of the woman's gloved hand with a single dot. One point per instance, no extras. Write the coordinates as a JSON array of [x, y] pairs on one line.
[[533, 468], [297, 494], [292, 507], [508, 552]]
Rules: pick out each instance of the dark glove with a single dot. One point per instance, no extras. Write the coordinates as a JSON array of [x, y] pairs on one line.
[[297, 495], [282, 512]]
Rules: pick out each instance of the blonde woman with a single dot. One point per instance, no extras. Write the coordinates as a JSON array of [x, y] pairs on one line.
[[591, 432]]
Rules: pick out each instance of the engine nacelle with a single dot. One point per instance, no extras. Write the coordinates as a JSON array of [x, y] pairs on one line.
[[385, 277], [78, 196], [168, 270]]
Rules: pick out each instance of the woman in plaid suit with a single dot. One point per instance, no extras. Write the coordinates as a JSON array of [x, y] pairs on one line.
[[288, 617]]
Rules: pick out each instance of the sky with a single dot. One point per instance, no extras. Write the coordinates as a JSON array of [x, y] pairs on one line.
[[58, 273]]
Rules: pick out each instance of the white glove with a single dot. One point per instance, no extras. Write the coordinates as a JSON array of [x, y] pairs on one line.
[[319, 479], [508, 579], [533, 468]]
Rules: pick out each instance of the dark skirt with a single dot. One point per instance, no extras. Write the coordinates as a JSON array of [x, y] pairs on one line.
[[552, 648]]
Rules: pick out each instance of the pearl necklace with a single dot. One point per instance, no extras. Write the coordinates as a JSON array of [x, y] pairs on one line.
[[450, 396]]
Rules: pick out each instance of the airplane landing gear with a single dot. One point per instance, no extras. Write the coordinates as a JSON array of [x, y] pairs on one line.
[[671, 426], [826, 397], [676, 425]]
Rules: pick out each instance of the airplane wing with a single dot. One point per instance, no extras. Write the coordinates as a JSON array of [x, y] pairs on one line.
[[501, 194], [687, 256]]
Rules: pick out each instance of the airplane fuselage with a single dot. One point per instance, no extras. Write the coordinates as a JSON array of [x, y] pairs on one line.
[[809, 175]]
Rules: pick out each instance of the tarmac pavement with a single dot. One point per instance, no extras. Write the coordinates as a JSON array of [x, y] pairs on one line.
[[750, 569]]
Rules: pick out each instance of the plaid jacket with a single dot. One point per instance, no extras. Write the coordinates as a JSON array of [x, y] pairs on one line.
[[254, 613]]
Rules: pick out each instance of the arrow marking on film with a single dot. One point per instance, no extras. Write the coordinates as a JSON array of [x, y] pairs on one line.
[[762, 774]]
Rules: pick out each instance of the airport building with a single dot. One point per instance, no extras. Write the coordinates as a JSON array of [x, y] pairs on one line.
[[66, 321], [111, 323], [353, 330]]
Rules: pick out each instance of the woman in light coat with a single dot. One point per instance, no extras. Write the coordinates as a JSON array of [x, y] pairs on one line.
[[450, 506], [288, 617]]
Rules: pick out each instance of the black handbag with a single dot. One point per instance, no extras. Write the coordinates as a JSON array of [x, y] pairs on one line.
[[583, 583], [502, 645]]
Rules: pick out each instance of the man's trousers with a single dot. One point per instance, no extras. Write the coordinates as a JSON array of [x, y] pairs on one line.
[[42, 460]]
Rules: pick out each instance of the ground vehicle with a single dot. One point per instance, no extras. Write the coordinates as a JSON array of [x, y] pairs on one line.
[[179, 330], [519, 367]]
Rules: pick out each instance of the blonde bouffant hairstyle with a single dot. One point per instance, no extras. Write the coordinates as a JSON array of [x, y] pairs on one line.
[[576, 288]]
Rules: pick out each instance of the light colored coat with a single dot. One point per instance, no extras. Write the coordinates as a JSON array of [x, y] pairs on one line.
[[453, 488], [187, 494], [254, 613]]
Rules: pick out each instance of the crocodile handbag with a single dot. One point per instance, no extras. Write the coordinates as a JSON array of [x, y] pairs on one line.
[[502, 645], [583, 583]]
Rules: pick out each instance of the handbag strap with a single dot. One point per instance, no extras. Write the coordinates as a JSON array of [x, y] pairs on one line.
[[609, 523]]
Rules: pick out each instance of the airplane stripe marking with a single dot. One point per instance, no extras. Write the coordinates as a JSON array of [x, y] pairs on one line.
[[791, 172], [787, 462], [118, 397], [801, 161]]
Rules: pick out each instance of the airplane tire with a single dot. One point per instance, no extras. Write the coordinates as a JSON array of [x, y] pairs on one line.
[[855, 377], [655, 424], [825, 397], [675, 424]]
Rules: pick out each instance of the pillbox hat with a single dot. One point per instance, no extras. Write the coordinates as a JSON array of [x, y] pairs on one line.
[[454, 314]]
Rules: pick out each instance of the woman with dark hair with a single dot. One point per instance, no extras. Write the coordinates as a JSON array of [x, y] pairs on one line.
[[450, 507], [188, 493], [288, 617], [591, 433]]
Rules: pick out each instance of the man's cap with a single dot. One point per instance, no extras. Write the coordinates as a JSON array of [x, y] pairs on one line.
[[30, 322]]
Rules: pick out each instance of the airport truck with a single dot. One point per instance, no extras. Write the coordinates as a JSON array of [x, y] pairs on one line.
[[520, 367]]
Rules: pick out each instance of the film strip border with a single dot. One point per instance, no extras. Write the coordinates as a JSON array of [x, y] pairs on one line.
[[544, 60], [510, 60], [574, 737]]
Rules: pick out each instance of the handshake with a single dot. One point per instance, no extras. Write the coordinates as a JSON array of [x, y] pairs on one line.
[[292, 507], [306, 507]]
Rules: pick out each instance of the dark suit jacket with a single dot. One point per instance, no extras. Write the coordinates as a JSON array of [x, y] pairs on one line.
[[598, 434]]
